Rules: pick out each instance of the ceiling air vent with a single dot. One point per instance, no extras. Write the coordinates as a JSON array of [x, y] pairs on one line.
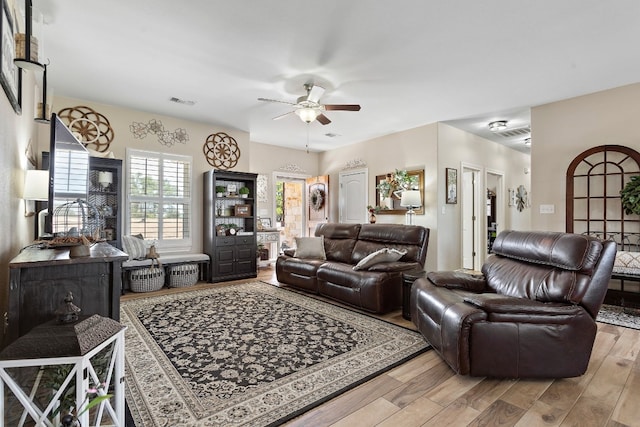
[[510, 133], [181, 101]]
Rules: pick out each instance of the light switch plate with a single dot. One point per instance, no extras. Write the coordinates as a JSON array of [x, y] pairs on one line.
[[547, 209]]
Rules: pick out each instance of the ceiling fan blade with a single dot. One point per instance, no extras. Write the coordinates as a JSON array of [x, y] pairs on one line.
[[343, 107], [281, 116], [276, 100], [323, 119], [315, 93]]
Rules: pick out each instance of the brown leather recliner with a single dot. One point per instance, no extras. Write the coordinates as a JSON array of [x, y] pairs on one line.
[[531, 314]]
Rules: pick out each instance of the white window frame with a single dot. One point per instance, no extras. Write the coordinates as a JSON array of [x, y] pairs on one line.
[[161, 244]]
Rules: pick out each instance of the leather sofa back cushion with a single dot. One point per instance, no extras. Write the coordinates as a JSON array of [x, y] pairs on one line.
[[539, 282], [339, 240], [567, 251], [373, 237]]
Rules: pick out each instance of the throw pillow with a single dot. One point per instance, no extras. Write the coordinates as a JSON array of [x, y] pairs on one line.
[[134, 247], [310, 247], [382, 255]]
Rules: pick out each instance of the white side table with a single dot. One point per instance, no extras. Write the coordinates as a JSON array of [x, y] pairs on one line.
[[272, 238], [99, 344]]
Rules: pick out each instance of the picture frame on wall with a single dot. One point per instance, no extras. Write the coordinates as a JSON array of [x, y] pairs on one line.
[[10, 74], [452, 185]]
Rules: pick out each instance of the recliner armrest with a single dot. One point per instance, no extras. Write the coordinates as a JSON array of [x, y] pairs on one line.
[[502, 304], [457, 280]]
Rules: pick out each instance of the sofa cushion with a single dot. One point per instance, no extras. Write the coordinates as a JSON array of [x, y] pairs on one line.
[[379, 256], [339, 240], [134, 247], [310, 247]]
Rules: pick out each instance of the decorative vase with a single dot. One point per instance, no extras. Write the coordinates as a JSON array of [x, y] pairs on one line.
[[372, 218]]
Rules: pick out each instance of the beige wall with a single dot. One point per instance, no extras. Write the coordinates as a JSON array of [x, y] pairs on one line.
[[457, 148], [411, 149], [564, 129], [15, 133], [121, 118]]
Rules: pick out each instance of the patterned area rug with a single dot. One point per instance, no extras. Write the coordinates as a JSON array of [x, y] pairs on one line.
[[614, 315], [250, 354]]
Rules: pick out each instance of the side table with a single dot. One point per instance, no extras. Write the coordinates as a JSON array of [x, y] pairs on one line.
[[408, 277]]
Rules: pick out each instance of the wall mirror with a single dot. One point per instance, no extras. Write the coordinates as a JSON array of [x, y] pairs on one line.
[[68, 169], [391, 204]]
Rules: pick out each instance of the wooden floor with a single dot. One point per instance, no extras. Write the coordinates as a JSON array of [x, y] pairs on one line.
[[425, 392]]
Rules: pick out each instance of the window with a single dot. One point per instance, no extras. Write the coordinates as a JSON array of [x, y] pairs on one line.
[[159, 197]]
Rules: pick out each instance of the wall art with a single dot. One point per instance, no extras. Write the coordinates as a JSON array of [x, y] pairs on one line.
[[155, 127], [10, 74], [91, 128], [221, 150], [452, 185]]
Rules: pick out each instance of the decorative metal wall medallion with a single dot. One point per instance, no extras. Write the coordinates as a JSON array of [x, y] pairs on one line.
[[141, 130], [221, 151], [91, 128]]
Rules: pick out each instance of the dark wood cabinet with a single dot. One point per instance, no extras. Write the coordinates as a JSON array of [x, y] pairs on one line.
[[41, 278], [230, 224], [105, 193]]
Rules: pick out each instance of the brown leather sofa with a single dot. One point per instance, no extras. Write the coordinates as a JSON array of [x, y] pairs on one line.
[[531, 314], [378, 288]]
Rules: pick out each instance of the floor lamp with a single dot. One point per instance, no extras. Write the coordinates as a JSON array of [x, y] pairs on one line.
[[410, 199]]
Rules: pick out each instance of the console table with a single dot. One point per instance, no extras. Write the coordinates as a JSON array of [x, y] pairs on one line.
[[271, 237], [41, 278]]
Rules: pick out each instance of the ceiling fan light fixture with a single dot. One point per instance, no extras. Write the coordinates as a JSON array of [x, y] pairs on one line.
[[498, 125], [307, 114]]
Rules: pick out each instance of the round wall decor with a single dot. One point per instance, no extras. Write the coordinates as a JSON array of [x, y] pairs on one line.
[[221, 151], [92, 128]]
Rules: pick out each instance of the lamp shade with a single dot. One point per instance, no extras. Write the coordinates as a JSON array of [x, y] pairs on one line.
[[105, 178], [36, 185], [307, 115], [410, 198]]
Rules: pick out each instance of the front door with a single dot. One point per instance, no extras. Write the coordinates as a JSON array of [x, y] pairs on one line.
[[318, 202]]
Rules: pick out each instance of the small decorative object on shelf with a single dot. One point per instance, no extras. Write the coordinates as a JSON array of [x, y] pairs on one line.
[[244, 192], [372, 213], [220, 190]]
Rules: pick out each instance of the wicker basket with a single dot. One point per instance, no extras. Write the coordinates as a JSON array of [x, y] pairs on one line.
[[183, 275], [147, 279]]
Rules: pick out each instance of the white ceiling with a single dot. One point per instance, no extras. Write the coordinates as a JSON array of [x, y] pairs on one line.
[[407, 63]]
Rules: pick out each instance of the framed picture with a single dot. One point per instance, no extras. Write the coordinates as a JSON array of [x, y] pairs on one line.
[[452, 185], [242, 210], [266, 223], [10, 75], [389, 204]]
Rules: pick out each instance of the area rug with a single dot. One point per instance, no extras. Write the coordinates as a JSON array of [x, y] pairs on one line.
[[615, 315], [250, 354]]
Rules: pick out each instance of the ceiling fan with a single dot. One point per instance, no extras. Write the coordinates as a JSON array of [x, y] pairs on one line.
[[308, 107]]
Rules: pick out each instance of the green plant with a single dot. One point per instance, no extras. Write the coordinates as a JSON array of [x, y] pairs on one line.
[[630, 196], [220, 188], [243, 190]]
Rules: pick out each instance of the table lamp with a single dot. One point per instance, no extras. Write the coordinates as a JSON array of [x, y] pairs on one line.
[[410, 199]]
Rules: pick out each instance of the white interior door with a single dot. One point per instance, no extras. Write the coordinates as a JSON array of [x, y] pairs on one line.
[[472, 206], [353, 196]]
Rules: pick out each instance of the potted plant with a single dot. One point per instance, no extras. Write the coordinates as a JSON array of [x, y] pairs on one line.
[[630, 196], [220, 190], [244, 192]]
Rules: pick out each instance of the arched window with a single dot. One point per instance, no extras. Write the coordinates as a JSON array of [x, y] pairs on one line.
[[593, 206]]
